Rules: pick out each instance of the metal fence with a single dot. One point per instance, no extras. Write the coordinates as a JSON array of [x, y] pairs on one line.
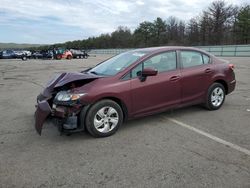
[[110, 51], [228, 50], [223, 50]]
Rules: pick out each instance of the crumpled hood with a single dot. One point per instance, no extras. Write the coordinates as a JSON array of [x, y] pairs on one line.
[[65, 78]]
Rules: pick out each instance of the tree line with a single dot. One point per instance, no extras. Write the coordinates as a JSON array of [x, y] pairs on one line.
[[220, 23]]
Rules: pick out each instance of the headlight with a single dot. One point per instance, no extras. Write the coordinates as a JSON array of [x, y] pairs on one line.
[[67, 96]]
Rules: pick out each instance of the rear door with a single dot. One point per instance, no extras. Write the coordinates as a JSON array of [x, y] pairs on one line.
[[156, 92], [195, 75]]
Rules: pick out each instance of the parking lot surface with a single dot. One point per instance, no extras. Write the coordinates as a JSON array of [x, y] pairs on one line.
[[189, 147]]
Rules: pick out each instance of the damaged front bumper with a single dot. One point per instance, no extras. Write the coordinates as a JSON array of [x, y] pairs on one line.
[[66, 117], [42, 112]]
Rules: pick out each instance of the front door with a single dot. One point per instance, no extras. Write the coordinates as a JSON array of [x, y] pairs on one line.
[[157, 92]]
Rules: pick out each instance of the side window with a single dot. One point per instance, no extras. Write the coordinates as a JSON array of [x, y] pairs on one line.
[[206, 59], [190, 58], [126, 77], [162, 62], [136, 71]]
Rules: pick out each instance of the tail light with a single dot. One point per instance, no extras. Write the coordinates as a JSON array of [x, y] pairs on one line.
[[231, 66]]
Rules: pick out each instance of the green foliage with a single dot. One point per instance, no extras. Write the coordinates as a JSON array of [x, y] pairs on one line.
[[243, 25], [144, 33]]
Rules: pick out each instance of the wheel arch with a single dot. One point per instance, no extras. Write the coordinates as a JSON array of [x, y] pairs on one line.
[[224, 83], [120, 103], [69, 56]]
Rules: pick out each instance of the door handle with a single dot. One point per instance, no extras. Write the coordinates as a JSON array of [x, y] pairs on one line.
[[174, 78], [208, 71]]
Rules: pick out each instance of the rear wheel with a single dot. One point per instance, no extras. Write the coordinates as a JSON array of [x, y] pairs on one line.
[[69, 57], [215, 96], [104, 118], [58, 57], [24, 58]]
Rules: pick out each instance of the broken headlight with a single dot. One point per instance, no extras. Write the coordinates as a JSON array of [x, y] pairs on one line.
[[67, 96]]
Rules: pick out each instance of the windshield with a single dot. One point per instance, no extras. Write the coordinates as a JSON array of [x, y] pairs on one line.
[[116, 64]]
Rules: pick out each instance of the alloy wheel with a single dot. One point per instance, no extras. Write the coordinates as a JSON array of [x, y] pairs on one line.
[[217, 96], [106, 119]]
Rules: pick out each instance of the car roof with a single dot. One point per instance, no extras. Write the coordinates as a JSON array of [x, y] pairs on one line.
[[165, 48]]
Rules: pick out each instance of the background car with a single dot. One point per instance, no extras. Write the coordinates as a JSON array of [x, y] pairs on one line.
[[18, 54], [22, 54], [27, 53], [79, 53], [7, 54], [37, 55], [43, 54], [62, 54]]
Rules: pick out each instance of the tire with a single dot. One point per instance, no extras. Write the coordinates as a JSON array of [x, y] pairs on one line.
[[215, 96], [24, 58], [109, 123], [58, 57], [69, 57]]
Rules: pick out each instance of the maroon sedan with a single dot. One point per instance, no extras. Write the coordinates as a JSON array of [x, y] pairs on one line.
[[134, 84]]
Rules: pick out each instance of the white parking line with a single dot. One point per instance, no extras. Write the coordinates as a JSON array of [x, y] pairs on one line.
[[219, 140]]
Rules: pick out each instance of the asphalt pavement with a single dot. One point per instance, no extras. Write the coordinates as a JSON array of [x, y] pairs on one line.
[[189, 147]]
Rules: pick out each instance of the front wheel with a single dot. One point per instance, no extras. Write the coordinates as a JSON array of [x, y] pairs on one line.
[[24, 58], [104, 118], [215, 96]]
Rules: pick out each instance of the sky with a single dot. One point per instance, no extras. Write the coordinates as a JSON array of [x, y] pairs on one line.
[[55, 21]]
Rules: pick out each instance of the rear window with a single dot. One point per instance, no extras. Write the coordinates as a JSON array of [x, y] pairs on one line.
[[193, 58], [206, 59]]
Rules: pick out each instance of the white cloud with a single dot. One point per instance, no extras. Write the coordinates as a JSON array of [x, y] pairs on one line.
[[92, 17], [139, 2]]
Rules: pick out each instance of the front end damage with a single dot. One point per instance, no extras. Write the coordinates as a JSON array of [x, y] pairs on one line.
[[59, 103], [66, 118], [42, 111]]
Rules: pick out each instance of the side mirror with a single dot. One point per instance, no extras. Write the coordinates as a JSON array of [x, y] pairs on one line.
[[147, 72]]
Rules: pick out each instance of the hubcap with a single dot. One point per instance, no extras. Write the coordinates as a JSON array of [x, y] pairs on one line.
[[106, 119], [217, 96]]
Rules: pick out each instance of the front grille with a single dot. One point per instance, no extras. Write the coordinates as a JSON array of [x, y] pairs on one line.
[[64, 103]]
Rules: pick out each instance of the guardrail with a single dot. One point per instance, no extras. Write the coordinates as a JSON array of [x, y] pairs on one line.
[[228, 50], [110, 51], [222, 50]]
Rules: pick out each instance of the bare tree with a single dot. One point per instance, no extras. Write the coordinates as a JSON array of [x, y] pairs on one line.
[[220, 15], [193, 32]]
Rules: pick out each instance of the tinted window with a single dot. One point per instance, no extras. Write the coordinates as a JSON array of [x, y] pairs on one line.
[[162, 62], [136, 71], [126, 77], [205, 59], [191, 58]]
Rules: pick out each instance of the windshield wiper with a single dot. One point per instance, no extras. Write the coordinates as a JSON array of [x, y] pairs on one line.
[[93, 72], [97, 73]]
